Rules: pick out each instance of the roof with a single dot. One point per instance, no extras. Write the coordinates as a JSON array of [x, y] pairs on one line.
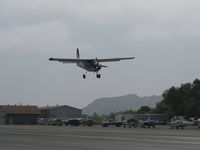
[[54, 107], [25, 110]]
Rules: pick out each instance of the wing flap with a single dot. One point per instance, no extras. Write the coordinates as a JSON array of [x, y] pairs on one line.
[[66, 60], [114, 59]]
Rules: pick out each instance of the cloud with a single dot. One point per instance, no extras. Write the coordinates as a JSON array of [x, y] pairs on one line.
[[43, 37], [107, 27], [47, 25]]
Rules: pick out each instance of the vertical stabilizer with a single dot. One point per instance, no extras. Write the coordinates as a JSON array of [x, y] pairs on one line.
[[77, 53]]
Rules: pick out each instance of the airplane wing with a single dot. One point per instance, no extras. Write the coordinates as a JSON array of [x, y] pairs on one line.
[[66, 60], [114, 59]]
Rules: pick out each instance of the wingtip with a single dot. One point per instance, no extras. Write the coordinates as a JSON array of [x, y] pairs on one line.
[[130, 57]]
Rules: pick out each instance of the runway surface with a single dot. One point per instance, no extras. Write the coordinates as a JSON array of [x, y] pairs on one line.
[[97, 138]]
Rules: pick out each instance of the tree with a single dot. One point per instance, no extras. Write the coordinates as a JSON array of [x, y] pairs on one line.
[[130, 111], [162, 108], [111, 116], [183, 100], [144, 110], [96, 117]]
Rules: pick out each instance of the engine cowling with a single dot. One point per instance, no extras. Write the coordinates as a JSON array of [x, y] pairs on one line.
[[98, 67]]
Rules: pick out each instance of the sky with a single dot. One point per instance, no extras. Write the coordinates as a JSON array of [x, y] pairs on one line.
[[163, 36]]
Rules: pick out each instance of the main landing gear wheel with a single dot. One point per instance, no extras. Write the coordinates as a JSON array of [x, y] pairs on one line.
[[99, 76]]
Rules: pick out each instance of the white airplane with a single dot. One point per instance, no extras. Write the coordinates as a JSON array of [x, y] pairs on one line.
[[92, 65], [180, 122]]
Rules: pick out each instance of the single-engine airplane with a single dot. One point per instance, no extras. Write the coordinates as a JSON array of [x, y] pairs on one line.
[[92, 65]]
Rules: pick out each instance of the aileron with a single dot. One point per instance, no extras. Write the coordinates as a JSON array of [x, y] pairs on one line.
[[114, 59]]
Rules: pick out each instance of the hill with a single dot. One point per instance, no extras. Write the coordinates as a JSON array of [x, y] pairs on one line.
[[115, 104]]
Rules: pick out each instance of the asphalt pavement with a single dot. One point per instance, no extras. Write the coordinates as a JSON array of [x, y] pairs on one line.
[[97, 138]]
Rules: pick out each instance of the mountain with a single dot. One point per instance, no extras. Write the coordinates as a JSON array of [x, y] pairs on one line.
[[116, 104]]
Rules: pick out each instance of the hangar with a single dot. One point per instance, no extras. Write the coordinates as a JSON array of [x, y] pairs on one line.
[[64, 111], [18, 115]]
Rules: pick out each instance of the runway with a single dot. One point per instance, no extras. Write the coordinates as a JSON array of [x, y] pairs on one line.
[[97, 138]]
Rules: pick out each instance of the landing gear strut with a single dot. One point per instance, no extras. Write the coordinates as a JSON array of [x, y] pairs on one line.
[[97, 75]]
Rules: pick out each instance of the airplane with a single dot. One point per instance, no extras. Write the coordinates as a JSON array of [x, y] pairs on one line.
[[180, 122], [90, 65]]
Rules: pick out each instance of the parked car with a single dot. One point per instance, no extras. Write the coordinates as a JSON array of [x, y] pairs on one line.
[[148, 123], [72, 122], [88, 122], [56, 122], [132, 123], [111, 123]]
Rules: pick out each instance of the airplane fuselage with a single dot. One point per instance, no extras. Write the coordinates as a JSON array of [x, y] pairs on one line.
[[90, 66]]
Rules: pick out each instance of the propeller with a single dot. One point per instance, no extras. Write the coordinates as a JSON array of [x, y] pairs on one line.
[[99, 65]]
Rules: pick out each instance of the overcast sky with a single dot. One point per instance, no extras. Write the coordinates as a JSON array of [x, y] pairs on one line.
[[163, 35]]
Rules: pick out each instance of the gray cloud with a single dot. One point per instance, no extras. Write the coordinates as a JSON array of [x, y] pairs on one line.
[[163, 35]]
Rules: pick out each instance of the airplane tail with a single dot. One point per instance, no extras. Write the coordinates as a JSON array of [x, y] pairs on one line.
[[77, 53]]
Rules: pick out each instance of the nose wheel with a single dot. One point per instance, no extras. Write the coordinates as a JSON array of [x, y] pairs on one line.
[[84, 75], [98, 76]]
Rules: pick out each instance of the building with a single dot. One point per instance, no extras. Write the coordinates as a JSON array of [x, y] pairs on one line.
[[18, 115], [62, 112], [160, 117]]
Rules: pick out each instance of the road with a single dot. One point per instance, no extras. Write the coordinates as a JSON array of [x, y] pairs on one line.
[[97, 138]]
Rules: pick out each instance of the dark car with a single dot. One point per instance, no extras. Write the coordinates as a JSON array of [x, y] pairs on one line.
[[88, 122], [132, 123], [73, 122], [117, 124]]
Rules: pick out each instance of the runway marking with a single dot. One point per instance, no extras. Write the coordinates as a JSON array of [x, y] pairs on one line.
[[109, 138]]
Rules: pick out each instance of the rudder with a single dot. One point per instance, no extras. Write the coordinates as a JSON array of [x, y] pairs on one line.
[[77, 53]]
